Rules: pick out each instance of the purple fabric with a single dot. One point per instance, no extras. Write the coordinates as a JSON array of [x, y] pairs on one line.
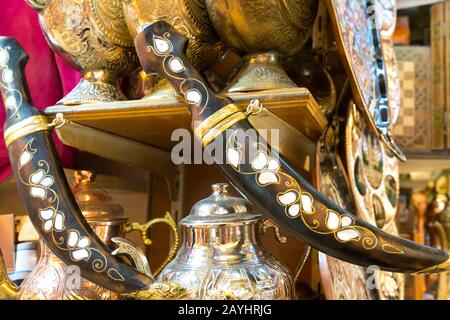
[[49, 77]]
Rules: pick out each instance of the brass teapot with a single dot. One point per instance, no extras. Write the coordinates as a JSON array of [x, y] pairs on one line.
[[222, 256], [52, 279]]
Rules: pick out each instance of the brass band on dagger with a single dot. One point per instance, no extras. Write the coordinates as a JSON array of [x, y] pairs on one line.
[[272, 184]]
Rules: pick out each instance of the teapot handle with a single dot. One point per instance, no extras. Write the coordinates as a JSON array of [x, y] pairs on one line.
[[144, 228], [8, 290], [267, 224]]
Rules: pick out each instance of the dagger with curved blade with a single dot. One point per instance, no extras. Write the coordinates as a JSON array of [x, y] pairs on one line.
[[44, 189], [270, 182]]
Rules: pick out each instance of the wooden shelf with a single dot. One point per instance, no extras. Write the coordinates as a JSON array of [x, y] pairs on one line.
[[152, 122], [404, 4], [138, 133], [430, 161]]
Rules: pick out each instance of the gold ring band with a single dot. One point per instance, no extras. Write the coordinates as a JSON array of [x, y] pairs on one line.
[[25, 127], [214, 119], [221, 127]]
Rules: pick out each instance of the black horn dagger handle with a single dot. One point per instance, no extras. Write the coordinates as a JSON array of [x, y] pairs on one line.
[[44, 189], [269, 181]]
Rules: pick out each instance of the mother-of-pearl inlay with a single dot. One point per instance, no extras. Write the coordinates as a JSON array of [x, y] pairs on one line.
[[193, 96], [348, 234], [162, 46], [288, 198], [176, 65], [267, 171], [40, 184], [11, 102], [4, 56], [13, 97], [233, 157], [8, 76], [333, 222], [267, 177]]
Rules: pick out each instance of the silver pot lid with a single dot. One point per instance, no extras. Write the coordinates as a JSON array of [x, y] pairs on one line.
[[220, 208]]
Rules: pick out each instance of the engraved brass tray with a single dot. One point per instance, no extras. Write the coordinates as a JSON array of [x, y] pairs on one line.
[[340, 280], [359, 45], [375, 184]]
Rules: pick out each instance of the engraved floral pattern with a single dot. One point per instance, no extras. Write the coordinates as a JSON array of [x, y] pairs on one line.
[[296, 202], [356, 30]]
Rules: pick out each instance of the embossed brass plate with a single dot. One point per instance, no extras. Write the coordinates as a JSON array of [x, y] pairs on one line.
[[359, 44], [340, 280], [375, 184]]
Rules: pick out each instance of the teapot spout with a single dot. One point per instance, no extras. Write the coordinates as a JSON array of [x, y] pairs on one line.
[[134, 253], [8, 290], [37, 5]]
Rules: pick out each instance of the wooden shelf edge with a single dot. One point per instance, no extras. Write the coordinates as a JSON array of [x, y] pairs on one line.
[[426, 161], [405, 4]]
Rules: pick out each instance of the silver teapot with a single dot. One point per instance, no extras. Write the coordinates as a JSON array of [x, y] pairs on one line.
[[222, 256]]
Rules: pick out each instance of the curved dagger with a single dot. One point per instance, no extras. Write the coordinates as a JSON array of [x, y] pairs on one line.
[[44, 189], [270, 182]]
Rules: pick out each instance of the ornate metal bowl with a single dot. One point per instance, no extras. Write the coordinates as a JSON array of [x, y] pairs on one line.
[[92, 36], [262, 26], [187, 16], [359, 44], [306, 72]]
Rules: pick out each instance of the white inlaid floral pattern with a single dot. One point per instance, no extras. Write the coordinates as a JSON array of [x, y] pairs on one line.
[[40, 184], [51, 219], [79, 244], [162, 46], [172, 66], [297, 203], [13, 98]]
